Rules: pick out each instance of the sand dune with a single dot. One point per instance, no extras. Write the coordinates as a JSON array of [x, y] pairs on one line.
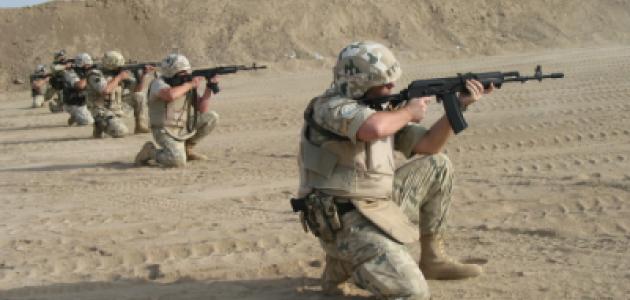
[[300, 34]]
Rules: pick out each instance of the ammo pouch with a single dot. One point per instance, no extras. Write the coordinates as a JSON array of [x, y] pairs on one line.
[[319, 214]]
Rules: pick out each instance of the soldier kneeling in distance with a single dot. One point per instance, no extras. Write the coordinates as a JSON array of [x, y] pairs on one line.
[[179, 118]]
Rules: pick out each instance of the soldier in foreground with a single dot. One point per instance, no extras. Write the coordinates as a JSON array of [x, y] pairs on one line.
[[354, 199], [73, 92], [179, 117], [105, 96], [39, 85]]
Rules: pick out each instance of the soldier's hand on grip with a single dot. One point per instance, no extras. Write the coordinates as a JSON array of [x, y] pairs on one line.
[[196, 81], [417, 108], [124, 75], [475, 92]]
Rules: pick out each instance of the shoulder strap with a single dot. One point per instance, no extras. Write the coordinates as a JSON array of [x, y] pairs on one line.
[[311, 123]]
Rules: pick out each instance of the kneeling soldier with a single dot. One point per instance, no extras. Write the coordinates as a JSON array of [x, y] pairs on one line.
[[39, 85], [105, 95], [179, 117]]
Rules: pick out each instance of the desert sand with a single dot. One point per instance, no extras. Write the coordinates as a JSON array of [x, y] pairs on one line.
[[541, 194], [541, 199]]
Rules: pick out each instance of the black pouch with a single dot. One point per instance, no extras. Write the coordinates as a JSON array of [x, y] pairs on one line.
[[319, 214]]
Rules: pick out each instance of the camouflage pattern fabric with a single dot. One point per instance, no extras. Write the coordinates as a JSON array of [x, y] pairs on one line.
[[422, 189], [362, 65], [173, 151], [80, 114], [174, 63], [138, 101], [38, 101], [374, 261], [109, 122]]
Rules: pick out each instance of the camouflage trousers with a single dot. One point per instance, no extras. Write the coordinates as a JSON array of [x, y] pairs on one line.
[[54, 99], [422, 188], [38, 101], [106, 121], [79, 114], [173, 151]]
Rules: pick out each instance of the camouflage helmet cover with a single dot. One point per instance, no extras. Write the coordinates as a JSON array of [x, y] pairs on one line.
[[83, 59], [362, 65], [113, 60], [59, 55], [174, 63], [41, 70]]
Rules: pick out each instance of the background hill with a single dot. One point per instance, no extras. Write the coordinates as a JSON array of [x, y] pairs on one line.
[[301, 34]]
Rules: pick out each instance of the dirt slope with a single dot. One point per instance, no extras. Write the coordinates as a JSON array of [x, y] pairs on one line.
[[300, 34]]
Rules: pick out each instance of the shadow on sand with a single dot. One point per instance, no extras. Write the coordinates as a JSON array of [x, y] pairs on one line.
[[185, 289], [48, 140], [35, 127], [118, 165]]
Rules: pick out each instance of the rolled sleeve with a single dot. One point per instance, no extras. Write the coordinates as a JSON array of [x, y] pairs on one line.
[[156, 86], [408, 137], [97, 82], [342, 116], [71, 78]]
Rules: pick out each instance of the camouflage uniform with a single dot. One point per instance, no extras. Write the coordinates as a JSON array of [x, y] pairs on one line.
[[369, 247], [39, 85], [77, 109], [173, 129], [54, 95], [173, 152]]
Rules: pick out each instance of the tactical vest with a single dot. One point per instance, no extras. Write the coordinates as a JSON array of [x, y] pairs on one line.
[[111, 101], [342, 168], [172, 116]]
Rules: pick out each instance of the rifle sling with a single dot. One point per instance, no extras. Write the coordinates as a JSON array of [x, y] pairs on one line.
[[311, 123]]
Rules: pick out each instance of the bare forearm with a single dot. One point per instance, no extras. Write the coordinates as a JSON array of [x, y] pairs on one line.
[[435, 139], [142, 82], [204, 101], [383, 124], [81, 84], [175, 92], [111, 85]]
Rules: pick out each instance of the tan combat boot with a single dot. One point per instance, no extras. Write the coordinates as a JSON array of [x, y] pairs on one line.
[[141, 125], [146, 154], [192, 155], [71, 121], [435, 264]]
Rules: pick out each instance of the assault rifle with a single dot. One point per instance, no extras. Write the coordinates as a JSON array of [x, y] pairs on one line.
[[135, 68], [446, 89], [211, 72]]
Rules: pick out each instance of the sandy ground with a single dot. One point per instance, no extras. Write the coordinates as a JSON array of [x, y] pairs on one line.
[[541, 196]]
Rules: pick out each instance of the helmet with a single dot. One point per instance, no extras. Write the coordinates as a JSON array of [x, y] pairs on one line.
[[174, 63], [59, 55], [113, 60], [362, 65], [41, 70], [83, 59]]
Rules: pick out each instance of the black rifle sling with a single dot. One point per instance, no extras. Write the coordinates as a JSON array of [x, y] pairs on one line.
[[311, 123], [191, 123]]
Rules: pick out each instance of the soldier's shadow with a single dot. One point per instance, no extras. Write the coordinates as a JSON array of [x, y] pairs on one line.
[[66, 167], [34, 127], [302, 288], [48, 140]]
